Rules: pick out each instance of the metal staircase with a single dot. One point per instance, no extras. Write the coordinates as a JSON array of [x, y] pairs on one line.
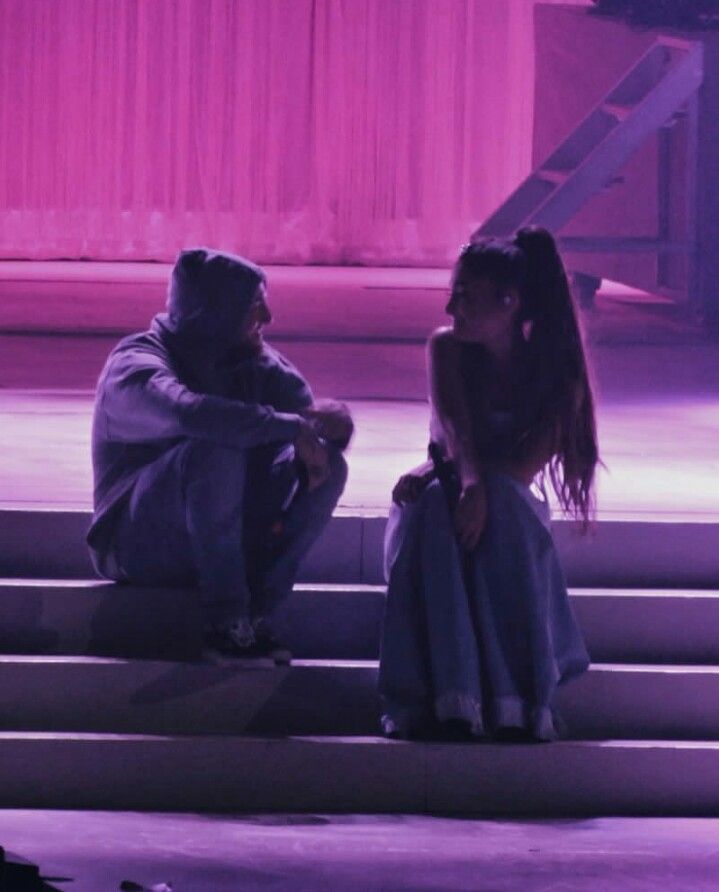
[[662, 81]]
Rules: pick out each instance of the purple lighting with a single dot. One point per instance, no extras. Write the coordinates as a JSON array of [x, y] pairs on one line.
[[299, 131], [297, 656]]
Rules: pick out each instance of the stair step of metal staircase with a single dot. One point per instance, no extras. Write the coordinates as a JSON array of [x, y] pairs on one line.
[[649, 94], [554, 177], [620, 112]]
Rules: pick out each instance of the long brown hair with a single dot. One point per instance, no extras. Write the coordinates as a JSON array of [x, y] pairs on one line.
[[557, 400]]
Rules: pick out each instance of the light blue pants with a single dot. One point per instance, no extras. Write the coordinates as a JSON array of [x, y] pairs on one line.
[[234, 522], [491, 652]]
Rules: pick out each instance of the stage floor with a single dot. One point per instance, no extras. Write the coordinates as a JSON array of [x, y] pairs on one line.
[[661, 454], [92, 851]]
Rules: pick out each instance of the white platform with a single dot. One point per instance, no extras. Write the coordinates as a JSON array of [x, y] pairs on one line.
[[660, 454]]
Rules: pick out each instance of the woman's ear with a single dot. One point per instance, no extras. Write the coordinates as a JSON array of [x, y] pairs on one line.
[[510, 299]]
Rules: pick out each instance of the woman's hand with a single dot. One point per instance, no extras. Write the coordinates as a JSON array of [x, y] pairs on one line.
[[410, 485], [470, 516]]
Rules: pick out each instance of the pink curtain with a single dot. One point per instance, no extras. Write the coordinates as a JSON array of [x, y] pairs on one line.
[[298, 131]]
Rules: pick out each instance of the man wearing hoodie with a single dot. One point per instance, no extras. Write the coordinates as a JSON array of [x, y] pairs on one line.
[[212, 465]]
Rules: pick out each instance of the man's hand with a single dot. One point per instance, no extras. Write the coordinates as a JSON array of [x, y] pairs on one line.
[[470, 517], [313, 454], [410, 485], [332, 421]]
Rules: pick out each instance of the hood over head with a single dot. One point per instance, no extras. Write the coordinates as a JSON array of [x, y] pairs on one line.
[[210, 295]]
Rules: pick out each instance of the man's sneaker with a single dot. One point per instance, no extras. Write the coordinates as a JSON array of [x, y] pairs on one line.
[[235, 641], [266, 640]]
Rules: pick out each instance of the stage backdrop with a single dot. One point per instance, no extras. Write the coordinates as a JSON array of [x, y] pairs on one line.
[[300, 131]]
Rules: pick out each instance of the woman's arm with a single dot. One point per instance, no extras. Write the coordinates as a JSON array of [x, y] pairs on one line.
[[448, 397], [446, 390], [410, 485]]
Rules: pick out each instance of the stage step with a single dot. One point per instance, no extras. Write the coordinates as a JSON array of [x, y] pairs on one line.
[[624, 551], [50, 543], [325, 621], [105, 695], [392, 369], [373, 303], [357, 775]]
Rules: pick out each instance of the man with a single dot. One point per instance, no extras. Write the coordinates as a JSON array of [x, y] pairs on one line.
[[212, 465]]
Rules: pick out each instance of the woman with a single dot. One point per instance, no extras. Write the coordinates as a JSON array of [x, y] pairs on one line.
[[478, 629]]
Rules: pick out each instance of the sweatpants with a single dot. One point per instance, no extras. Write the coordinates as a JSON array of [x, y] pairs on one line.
[[236, 523]]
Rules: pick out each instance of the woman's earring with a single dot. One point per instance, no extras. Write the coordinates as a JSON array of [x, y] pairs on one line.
[[527, 327], [507, 300]]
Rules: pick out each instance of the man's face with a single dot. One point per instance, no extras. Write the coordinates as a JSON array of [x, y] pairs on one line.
[[257, 317]]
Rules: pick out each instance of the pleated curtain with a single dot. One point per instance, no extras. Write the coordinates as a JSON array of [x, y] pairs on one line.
[[293, 131]]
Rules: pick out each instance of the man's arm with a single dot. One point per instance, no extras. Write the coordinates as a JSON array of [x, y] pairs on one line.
[[330, 419], [143, 400], [285, 387]]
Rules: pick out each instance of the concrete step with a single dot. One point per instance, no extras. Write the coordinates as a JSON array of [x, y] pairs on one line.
[[92, 617], [325, 621], [105, 695], [621, 552], [356, 775], [50, 543]]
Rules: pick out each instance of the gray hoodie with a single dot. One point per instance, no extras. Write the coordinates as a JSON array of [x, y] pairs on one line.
[[187, 378]]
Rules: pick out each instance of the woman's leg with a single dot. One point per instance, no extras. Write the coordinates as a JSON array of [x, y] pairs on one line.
[[429, 664], [489, 649], [404, 677], [455, 659], [529, 640]]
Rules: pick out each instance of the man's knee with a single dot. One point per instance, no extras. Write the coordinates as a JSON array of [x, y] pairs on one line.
[[324, 498], [337, 479], [201, 460]]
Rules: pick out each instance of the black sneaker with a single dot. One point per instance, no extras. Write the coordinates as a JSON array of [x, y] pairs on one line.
[[270, 645], [233, 642], [514, 735]]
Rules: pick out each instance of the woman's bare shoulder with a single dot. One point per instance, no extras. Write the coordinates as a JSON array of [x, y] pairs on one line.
[[442, 340], [442, 333]]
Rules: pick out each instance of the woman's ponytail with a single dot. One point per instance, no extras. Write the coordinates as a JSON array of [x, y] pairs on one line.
[[547, 299], [550, 317]]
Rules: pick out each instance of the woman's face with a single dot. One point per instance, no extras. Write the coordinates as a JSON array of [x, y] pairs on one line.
[[482, 312]]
